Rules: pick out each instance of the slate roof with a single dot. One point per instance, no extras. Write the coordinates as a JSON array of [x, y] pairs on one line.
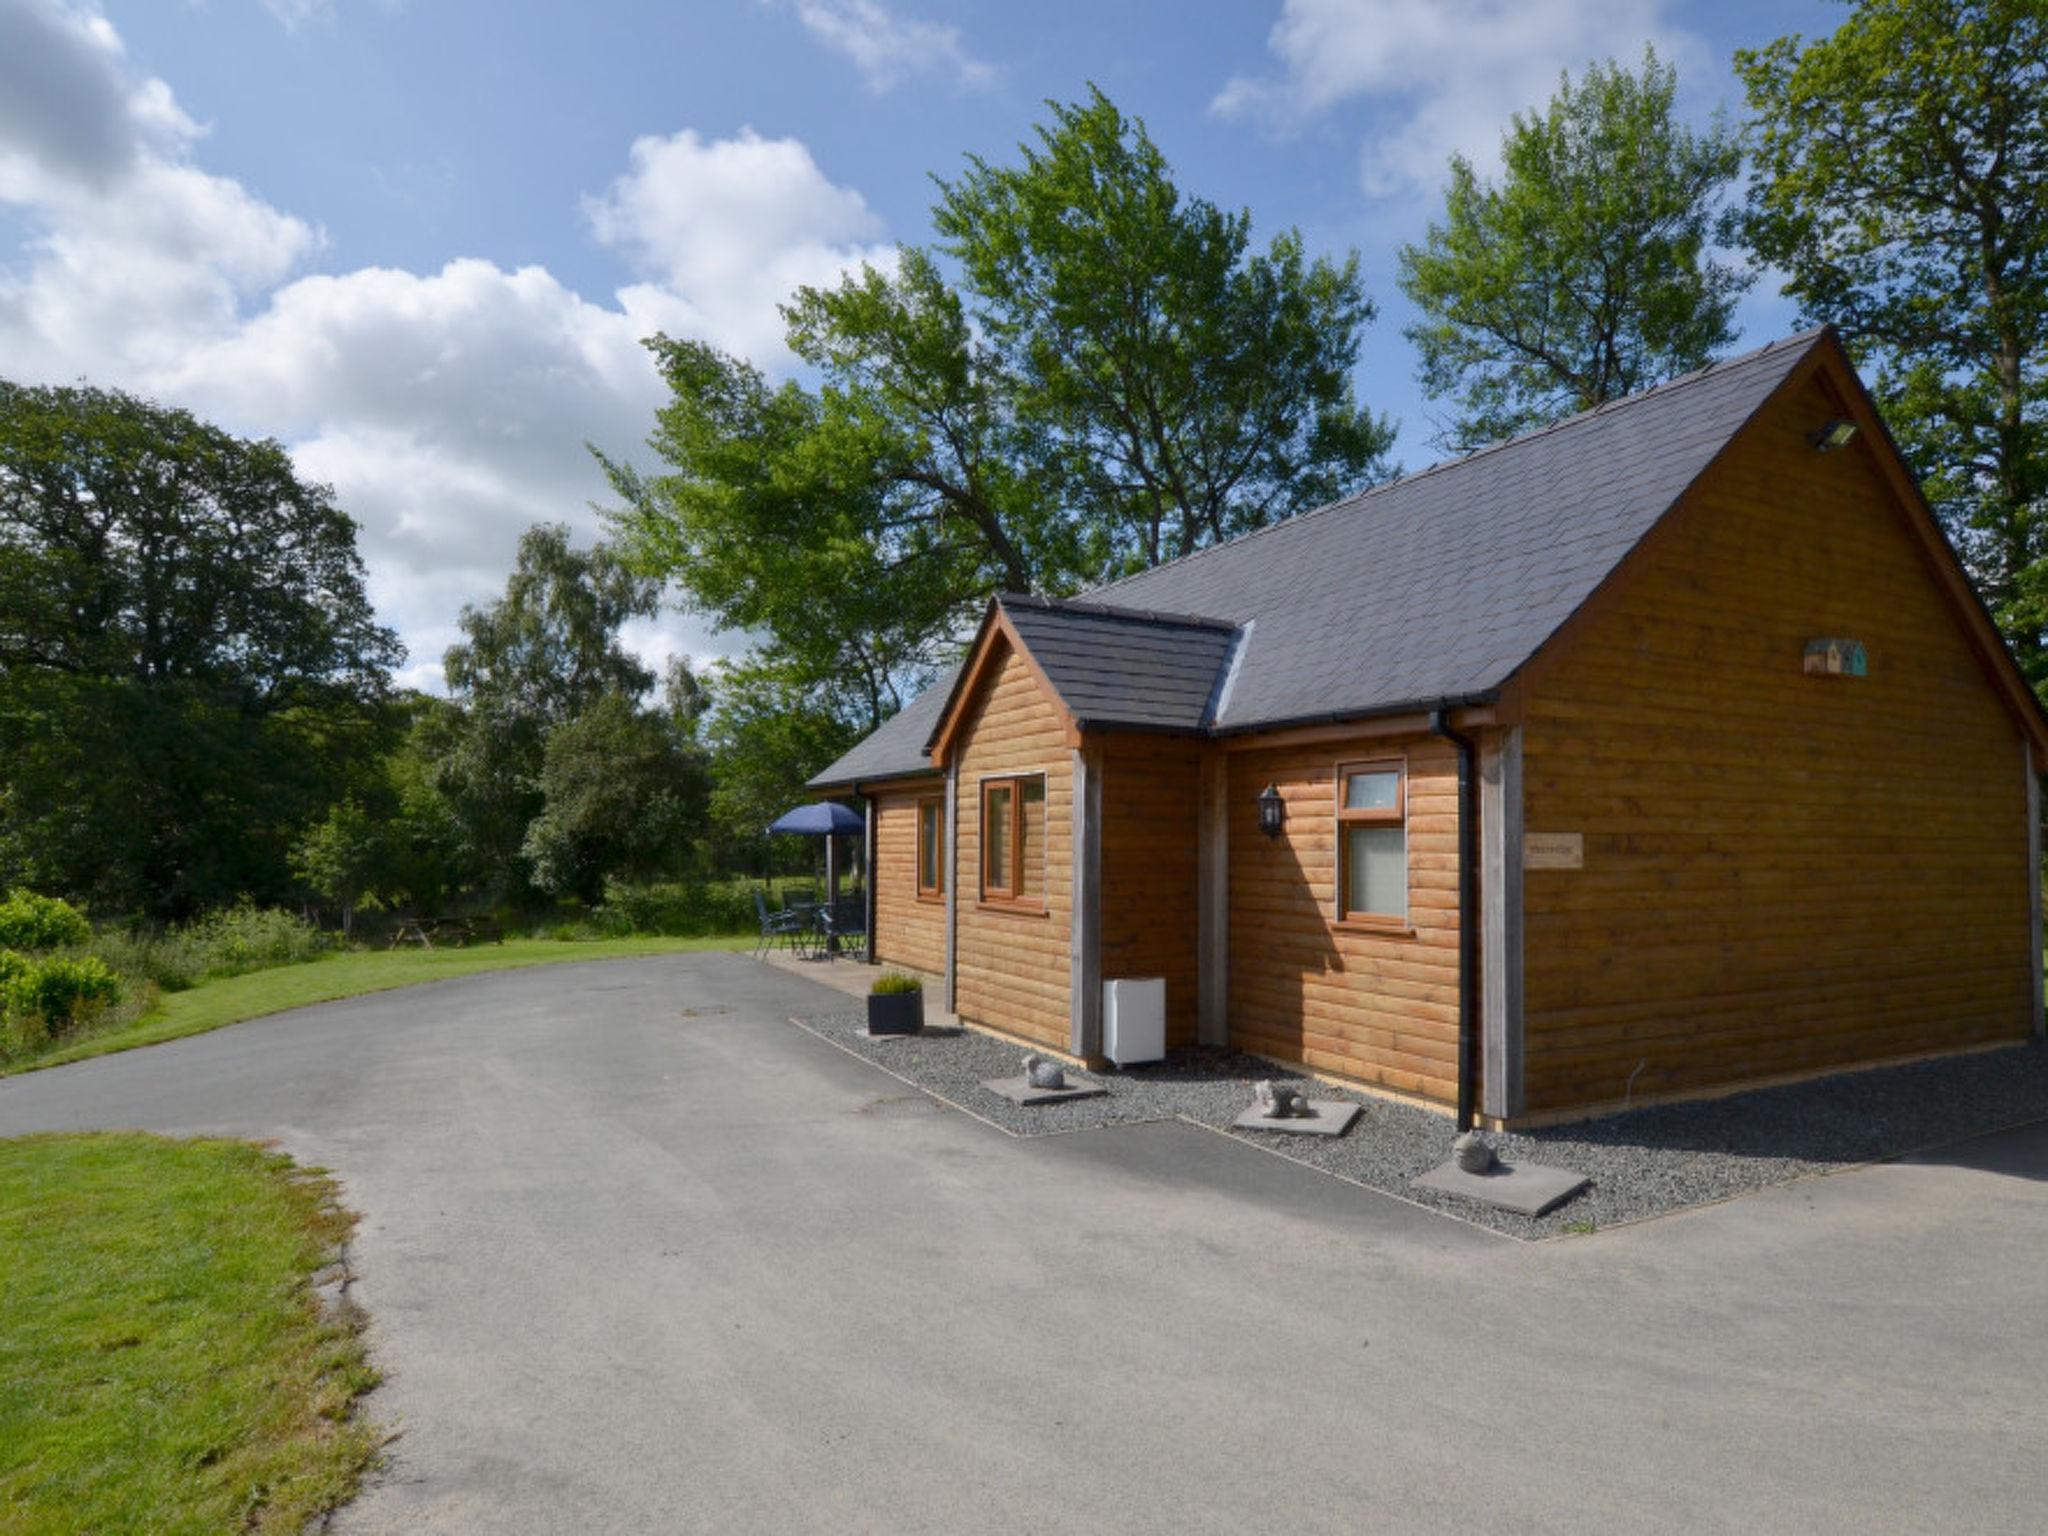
[[1432, 589], [1123, 667], [1439, 586], [894, 749]]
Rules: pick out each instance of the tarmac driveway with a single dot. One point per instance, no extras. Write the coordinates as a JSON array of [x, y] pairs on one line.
[[641, 1257]]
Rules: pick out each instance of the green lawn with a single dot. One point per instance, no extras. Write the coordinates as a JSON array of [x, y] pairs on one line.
[[214, 1003], [164, 1365]]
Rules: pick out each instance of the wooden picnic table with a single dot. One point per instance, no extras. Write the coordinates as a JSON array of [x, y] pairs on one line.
[[431, 932]]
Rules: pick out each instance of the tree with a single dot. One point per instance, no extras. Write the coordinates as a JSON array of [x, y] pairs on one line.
[[778, 517], [1180, 387], [428, 853], [1116, 378], [550, 645], [622, 796], [531, 662], [1585, 275], [189, 664], [767, 734], [339, 857], [1902, 186]]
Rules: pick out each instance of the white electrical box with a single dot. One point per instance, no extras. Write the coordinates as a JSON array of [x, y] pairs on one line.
[[1134, 1019]]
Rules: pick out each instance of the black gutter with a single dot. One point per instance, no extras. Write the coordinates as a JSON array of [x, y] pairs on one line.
[[1292, 723], [1468, 926], [1478, 700]]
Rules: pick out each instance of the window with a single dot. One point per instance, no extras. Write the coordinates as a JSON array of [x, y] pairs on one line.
[[1372, 842], [1013, 838], [931, 846]]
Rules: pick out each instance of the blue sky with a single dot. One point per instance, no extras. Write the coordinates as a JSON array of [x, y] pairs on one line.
[[418, 239]]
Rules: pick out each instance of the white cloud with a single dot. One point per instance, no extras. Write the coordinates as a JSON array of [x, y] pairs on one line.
[[730, 227], [449, 409], [887, 48], [297, 13], [1442, 76], [68, 112]]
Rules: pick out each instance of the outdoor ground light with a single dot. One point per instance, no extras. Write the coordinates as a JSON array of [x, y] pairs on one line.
[[1838, 433], [1272, 811]]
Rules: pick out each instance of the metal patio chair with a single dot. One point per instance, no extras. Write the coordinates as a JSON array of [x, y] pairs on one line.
[[845, 924], [787, 925]]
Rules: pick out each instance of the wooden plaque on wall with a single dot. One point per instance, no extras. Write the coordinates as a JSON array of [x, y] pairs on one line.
[[1554, 850]]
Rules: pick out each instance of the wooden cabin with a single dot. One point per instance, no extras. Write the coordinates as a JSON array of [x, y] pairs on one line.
[[1654, 753]]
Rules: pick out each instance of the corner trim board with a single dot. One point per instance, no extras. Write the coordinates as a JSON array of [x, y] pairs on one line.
[[1212, 904], [1500, 924], [867, 872], [952, 852], [1084, 1005], [2039, 1026]]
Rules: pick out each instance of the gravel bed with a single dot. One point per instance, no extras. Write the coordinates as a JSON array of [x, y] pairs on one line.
[[1647, 1162]]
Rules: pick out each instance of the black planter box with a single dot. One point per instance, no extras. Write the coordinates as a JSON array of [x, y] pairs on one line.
[[895, 1013]]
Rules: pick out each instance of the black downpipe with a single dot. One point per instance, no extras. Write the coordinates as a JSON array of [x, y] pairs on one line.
[[1468, 925]]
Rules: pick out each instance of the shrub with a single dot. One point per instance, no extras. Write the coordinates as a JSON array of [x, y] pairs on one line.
[[28, 1031], [168, 960], [675, 910], [892, 983], [246, 937], [29, 921], [569, 931], [44, 997], [224, 943]]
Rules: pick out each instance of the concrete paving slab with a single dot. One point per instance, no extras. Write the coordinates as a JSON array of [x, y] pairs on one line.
[[1529, 1189], [1327, 1117], [1018, 1090]]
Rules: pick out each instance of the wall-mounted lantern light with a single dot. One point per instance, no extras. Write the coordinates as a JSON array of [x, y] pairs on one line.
[[1839, 433], [1272, 811]]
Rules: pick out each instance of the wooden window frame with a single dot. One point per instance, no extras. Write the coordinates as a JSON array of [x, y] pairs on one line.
[[1372, 922], [1013, 897], [937, 805]]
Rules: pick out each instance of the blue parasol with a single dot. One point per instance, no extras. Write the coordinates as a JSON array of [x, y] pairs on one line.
[[818, 819]]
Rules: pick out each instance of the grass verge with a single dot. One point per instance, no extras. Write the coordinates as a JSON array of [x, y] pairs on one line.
[[164, 1363], [347, 974]]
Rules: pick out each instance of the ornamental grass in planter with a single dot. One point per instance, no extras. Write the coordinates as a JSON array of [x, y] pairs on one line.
[[896, 1005]]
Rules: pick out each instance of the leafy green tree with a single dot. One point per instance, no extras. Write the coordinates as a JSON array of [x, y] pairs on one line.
[[1902, 187], [775, 517], [530, 662], [550, 645], [1180, 387], [427, 855], [685, 698], [622, 796], [1586, 274], [1117, 378], [340, 857], [189, 664], [767, 733]]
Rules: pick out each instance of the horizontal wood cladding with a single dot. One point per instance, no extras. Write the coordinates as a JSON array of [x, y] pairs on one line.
[[1379, 1007], [1783, 873], [908, 930], [1013, 961], [1151, 800]]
